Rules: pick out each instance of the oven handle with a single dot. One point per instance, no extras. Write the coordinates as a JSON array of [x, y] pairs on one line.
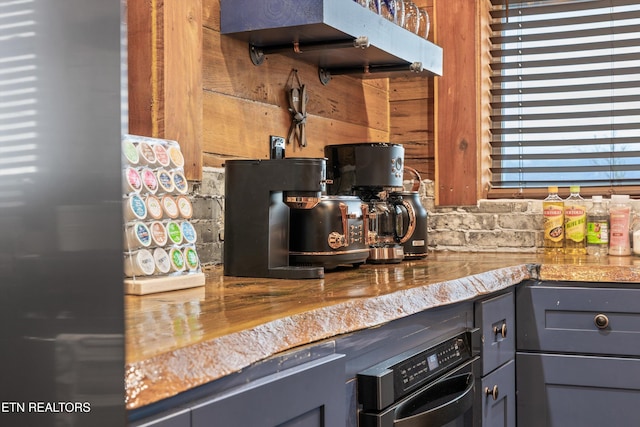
[[444, 413]]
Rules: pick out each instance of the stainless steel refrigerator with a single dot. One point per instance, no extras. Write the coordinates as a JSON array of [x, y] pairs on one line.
[[61, 293]]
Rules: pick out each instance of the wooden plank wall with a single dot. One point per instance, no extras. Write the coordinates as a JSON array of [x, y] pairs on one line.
[[244, 104], [165, 74], [456, 107], [197, 86], [411, 115]]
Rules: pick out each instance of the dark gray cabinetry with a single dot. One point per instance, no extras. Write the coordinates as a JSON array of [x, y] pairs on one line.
[[498, 395], [310, 395], [495, 404], [571, 390], [309, 386], [578, 354], [178, 418]]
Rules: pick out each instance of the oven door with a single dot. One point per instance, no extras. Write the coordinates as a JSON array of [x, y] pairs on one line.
[[445, 402]]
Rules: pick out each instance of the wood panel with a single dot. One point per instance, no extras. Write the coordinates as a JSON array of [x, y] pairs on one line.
[[243, 104], [183, 80], [484, 99], [229, 70], [456, 106], [199, 87], [142, 70], [242, 129], [402, 89], [165, 74], [211, 14], [411, 115], [411, 122]]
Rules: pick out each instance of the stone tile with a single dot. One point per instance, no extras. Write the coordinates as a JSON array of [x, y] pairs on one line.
[[502, 239], [212, 183], [520, 222], [446, 238]]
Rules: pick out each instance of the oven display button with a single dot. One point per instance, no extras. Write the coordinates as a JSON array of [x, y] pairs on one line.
[[433, 362]]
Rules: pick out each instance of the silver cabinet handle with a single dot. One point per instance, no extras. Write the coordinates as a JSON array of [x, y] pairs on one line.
[[493, 392], [601, 321], [501, 330]]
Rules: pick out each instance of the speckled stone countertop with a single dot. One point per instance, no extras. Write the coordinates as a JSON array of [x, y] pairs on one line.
[[182, 339]]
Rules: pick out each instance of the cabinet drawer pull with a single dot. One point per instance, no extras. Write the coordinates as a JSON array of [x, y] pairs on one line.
[[493, 392], [501, 330], [601, 321]]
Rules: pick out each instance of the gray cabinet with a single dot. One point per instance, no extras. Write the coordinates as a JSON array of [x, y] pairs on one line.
[[498, 396], [309, 395], [312, 385], [178, 418], [560, 318], [570, 390], [496, 399], [577, 359]]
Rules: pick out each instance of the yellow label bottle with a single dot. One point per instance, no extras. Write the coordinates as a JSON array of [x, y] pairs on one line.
[[575, 223], [553, 221]]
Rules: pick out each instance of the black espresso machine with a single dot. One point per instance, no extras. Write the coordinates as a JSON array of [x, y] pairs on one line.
[[396, 220], [260, 196]]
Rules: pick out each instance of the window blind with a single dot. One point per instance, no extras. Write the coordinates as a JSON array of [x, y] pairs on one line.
[[18, 99], [565, 95]]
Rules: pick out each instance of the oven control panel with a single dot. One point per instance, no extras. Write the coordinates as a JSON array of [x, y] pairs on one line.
[[418, 369], [388, 381]]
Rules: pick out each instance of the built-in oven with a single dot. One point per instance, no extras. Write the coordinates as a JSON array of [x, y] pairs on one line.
[[428, 386]]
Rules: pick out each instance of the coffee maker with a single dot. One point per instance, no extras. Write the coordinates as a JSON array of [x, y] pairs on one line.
[[374, 173], [332, 234], [259, 197], [414, 237]]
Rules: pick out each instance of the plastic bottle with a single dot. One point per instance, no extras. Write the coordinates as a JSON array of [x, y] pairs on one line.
[[597, 228], [619, 222], [635, 232], [553, 221], [575, 223]]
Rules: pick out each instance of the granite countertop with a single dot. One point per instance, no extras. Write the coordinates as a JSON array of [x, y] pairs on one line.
[[182, 339]]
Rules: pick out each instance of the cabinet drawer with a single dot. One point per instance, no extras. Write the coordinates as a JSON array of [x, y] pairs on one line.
[[563, 319], [497, 397], [495, 318], [557, 390]]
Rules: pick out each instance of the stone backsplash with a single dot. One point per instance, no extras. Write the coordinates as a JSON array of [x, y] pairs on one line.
[[207, 197], [491, 226]]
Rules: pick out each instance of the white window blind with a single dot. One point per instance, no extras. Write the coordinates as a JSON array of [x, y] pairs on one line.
[[565, 90], [18, 99]]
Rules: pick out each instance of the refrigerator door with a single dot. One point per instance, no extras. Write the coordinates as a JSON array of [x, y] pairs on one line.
[[61, 270]]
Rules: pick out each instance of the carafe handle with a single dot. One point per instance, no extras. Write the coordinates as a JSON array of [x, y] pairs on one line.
[[411, 226], [417, 179]]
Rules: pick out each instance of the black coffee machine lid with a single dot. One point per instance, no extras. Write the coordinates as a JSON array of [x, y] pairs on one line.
[[358, 166]]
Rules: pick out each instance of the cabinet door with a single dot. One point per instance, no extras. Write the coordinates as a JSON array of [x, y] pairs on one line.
[[312, 394], [586, 391], [564, 319], [181, 418], [497, 393], [495, 317]]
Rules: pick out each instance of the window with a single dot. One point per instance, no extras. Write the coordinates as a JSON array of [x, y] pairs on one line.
[[565, 90], [18, 100]]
